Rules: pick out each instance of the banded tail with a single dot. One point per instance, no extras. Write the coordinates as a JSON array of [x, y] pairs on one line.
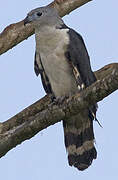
[[79, 141]]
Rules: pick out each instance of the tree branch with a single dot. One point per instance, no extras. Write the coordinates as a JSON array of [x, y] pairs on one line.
[[42, 114], [16, 33]]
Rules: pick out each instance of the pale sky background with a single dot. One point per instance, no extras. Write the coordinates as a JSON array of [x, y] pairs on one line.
[[44, 156]]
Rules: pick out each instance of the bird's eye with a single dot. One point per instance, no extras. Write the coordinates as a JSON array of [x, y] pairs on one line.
[[39, 14]]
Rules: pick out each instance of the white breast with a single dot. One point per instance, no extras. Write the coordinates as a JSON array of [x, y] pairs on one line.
[[52, 45]]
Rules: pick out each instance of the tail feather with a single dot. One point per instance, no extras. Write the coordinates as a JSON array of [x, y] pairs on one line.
[[79, 142], [82, 161]]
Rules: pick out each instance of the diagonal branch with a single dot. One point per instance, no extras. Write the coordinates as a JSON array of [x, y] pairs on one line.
[[16, 33], [41, 114]]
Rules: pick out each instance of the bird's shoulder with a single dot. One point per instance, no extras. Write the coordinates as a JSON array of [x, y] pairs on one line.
[[75, 38]]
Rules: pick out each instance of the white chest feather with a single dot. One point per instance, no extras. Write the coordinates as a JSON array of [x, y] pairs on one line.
[[52, 47]]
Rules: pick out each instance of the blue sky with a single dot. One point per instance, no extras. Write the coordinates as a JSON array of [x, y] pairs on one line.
[[44, 156]]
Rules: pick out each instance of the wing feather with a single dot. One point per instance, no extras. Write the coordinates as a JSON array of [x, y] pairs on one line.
[[38, 68], [78, 56]]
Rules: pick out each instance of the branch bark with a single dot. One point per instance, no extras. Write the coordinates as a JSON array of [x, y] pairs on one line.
[[17, 32], [42, 114]]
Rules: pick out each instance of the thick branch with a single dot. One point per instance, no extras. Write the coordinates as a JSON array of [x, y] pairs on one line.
[[41, 114], [15, 33]]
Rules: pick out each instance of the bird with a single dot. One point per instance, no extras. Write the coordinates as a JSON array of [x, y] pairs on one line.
[[62, 60]]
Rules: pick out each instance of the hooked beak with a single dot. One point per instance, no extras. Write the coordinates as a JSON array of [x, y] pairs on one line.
[[26, 21]]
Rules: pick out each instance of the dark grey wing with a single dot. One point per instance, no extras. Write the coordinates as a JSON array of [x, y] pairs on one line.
[[78, 56], [38, 68]]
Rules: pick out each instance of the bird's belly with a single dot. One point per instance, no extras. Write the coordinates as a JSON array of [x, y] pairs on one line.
[[60, 75], [52, 47]]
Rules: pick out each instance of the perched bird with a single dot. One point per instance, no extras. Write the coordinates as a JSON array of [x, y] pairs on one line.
[[62, 60]]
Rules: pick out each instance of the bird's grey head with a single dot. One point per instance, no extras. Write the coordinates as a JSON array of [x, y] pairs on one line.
[[43, 16]]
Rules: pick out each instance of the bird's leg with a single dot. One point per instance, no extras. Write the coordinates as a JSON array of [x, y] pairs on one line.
[[52, 97], [57, 100], [60, 99]]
